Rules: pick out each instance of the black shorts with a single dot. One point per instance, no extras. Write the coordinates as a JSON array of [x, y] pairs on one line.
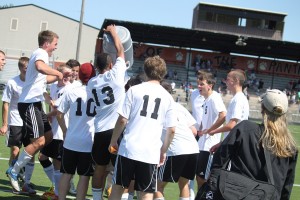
[[35, 121], [74, 160], [203, 165], [100, 153], [144, 174], [53, 149], [178, 166], [15, 136]]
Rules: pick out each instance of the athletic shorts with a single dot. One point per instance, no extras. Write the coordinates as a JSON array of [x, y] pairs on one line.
[[178, 166], [144, 174], [100, 153], [203, 165], [35, 121], [14, 136], [74, 160], [53, 149]]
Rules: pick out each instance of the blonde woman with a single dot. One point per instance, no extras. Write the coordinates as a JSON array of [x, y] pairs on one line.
[[246, 143]]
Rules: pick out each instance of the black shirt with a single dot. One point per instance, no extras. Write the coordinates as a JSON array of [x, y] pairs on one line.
[[247, 157]]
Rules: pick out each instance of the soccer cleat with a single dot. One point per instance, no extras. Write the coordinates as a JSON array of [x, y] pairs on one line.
[[107, 191], [13, 178], [72, 189], [28, 190], [49, 196]]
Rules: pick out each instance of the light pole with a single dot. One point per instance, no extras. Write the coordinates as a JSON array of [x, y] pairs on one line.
[[80, 30]]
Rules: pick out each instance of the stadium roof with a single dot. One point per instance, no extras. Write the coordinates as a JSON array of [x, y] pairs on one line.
[[196, 39]]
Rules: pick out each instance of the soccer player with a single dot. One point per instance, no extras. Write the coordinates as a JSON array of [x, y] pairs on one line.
[[238, 108], [78, 138], [182, 154], [147, 108], [35, 123], [108, 90], [12, 122], [52, 150], [213, 117]]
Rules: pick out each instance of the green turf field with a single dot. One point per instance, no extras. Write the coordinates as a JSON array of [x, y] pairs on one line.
[[42, 183]]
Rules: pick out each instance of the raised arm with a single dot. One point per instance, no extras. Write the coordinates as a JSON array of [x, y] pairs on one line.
[[118, 44]]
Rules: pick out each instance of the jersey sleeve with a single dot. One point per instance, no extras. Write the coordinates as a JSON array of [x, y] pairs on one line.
[[124, 110], [63, 103], [7, 92]]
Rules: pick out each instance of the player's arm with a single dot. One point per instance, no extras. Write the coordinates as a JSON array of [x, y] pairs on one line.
[[225, 128], [119, 128], [168, 139], [52, 74], [218, 123], [118, 44], [61, 122], [5, 107]]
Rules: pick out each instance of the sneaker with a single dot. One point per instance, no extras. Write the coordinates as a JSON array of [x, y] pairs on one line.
[[27, 189], [13, 178], [72, 189]]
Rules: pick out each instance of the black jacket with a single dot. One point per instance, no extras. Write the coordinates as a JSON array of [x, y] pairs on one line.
[[241, 146]]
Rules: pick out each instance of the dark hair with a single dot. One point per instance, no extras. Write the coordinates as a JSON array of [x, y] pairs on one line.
[[209, 77], [2, 52], [166, 85], [73, 63], [135, 80], [103, 61], [46, 36], [23, 61]]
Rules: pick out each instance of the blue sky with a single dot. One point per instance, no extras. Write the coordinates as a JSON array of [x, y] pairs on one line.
[[176, 13]]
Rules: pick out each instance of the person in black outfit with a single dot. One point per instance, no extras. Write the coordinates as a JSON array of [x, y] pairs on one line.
[[246, 142]]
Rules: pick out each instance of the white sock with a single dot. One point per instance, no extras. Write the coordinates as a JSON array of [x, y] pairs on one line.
[[57, 176], [50, 173], [160, 198], [23, 159], [97, 193], [124, 196], [29, 167], [131, 195], [182, 198]]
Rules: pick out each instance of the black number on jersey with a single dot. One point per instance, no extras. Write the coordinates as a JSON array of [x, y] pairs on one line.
[[143, 112], [109, 93], [88, 108]]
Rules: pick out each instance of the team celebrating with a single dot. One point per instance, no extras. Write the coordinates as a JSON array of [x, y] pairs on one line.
[[100, 123]]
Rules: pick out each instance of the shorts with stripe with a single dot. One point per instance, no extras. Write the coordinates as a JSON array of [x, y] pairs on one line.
[[178, 166], [14, 136], [53, 149], [100, 153], [144, 174], [203, 164], [72, 161], [35, 121]]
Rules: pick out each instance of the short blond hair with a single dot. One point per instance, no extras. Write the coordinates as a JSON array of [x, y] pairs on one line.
[[155, 68]]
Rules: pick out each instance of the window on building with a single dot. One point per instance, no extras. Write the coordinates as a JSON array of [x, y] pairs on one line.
[[242, 22], [14, 24], [44, 26]]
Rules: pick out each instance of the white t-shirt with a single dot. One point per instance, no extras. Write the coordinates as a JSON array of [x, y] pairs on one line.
[[35, 82], [148, 108], [55, 94], [184, 141], [197, 101], [80, 133], [76, 83], [11, 95], [212, 106], [238, 108], [110, 92]]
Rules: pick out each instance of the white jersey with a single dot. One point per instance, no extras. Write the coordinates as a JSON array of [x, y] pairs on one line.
[[238, 108], [108, 90], [35, 82], [80, 133], [76, 83], [212, 106], [184, 141], [148, 108], [11, 95], [197, 101], [56, 93]]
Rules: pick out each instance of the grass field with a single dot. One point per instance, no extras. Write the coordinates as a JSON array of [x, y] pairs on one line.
[[42, 183]]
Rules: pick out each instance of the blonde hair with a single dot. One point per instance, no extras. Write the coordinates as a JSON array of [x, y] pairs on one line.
[[46, 36], [276, 136], [62, 67], [155, 68], [239, 75]]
